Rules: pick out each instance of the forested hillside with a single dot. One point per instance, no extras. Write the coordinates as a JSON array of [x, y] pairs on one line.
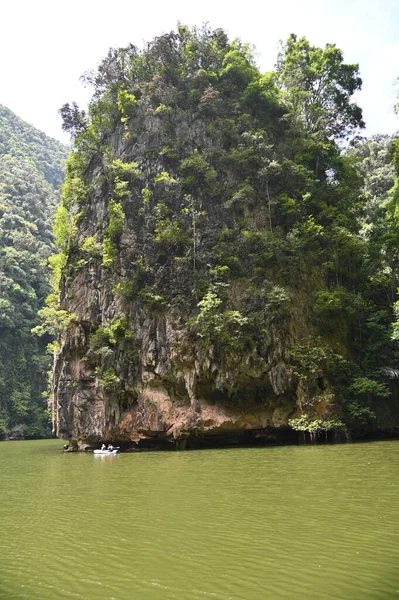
[[31, 169], [229, 247]]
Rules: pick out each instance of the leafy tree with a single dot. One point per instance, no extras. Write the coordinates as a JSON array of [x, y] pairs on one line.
[[73, 119], [319, 88]]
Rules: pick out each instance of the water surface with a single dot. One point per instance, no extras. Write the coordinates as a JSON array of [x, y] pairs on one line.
[[295, 523]]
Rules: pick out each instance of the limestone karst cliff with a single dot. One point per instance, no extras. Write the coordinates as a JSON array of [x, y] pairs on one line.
[[211, 273]]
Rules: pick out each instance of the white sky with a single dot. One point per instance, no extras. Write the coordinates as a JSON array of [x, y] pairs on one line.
[[45, 45]]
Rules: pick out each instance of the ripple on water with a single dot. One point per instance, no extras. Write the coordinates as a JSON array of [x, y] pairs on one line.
[[245, 524]]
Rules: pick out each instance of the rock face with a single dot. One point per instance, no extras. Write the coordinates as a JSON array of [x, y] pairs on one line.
[[129, 372], [166, 386], [189, 259]]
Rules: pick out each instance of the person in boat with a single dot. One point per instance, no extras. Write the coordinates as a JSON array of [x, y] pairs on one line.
[[110, 447], [103, 447]]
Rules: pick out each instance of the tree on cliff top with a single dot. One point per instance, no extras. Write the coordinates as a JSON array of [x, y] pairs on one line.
[[319, 87]]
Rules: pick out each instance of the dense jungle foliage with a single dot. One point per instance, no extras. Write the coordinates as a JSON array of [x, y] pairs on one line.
[[31, 169]]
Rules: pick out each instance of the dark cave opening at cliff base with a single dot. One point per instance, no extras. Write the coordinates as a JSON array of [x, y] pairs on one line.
[[158, 441], [217, 439], [242, 438]]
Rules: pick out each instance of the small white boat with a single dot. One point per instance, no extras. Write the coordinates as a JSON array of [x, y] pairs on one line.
[[106, 452]]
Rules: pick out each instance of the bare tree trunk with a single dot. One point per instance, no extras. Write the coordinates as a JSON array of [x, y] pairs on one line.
[[269, 205]]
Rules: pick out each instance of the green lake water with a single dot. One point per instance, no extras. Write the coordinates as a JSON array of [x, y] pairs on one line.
[[294, 522]]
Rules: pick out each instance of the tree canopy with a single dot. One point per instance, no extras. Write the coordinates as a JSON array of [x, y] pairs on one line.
[[318, 88]]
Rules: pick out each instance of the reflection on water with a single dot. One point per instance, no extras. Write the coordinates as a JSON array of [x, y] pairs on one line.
[[242, 524]]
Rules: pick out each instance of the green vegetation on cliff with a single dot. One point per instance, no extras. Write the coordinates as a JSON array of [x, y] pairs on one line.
[[30, 172], [219, 198]]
